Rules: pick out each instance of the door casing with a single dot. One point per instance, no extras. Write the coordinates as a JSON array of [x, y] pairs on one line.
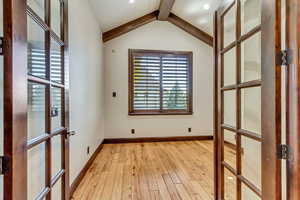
[[293, 95], [15, 98]]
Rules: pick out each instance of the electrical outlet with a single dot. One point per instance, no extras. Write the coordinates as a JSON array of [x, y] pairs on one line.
[[190, 130], [132, 131], [114, 94], [88, 150]]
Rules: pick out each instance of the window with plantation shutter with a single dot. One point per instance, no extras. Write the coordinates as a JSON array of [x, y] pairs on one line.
[[160, 82]]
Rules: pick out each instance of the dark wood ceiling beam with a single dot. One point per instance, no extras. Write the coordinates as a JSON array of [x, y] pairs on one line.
[[189, 28], [165, 9], [125, 28], [172, 18]]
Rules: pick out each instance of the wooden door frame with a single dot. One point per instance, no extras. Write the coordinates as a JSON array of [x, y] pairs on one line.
[[15, 100], [293, 95], [215, 107], [66, 107], [271, 99], [270, 87]]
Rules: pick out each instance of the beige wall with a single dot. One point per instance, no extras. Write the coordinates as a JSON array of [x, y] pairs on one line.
[[156, 36], [86, 84]]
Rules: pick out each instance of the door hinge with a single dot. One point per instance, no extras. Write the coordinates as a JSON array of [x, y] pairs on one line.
[[284, 57], [1, 45], [283, 152], [4, 164]]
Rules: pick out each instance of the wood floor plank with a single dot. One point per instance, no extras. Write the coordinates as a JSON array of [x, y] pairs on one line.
[[155, 195], [169, 163], [117, 189], [112, 174], [127, 182], [150, 171], [183, 193], [158, 171], [171, 187]]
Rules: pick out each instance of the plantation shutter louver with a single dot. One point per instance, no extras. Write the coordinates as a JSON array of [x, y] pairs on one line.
[[160, 82], [37, 62], [146, 82], [37, 67], [55, 62], [175, 70]]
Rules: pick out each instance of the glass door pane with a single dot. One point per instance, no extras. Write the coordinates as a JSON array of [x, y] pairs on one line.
[[36, 171], [230, 148], [56, 16], [251, 58], [56, 190], [36, 49], [56, 155], [249, 16], [56, 120], [230, 108], [230, 183], [251, 161], [55, 62], [229, 26], [36, 110], [251, 109], [229, 60], [248, 194], [38, 6]]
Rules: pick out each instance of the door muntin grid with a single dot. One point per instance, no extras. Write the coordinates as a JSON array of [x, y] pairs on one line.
[[241, 127], [47, 72]]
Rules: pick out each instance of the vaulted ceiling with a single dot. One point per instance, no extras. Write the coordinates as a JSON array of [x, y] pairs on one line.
[[197, 12], [113, 13]]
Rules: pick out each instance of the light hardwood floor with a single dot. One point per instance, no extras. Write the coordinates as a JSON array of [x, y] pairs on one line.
[[146, 171]]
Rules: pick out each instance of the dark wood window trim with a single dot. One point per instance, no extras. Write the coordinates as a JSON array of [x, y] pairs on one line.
[[160, 111]]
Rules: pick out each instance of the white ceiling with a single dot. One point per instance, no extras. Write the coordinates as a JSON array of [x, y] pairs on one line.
[[193, 11], [112, 13]]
